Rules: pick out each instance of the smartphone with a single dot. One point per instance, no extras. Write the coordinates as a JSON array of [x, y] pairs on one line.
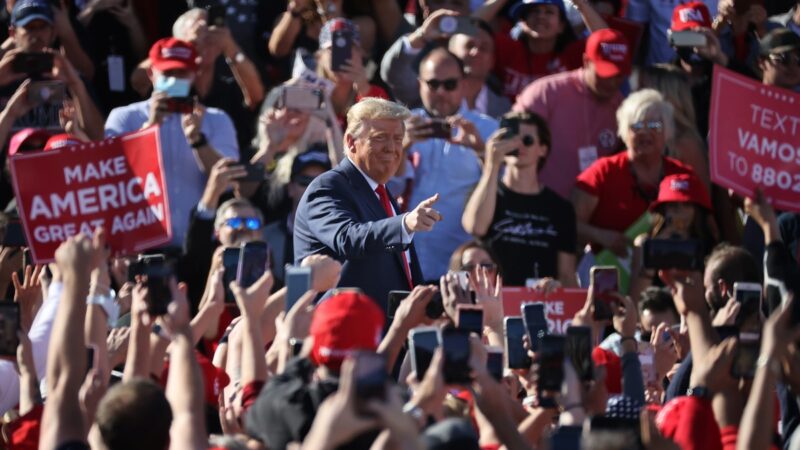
[[747, 350], [393, 302], [423, 341], [605, 282], [458, 25], [470, 318], [255, 172], [551, 363], [341, 49], [435, 307], [535, 323], [494, 362], [517, 356], [683, 254], [180, 105], [158, 272], [298, 282], [370, 379], [14, 235], [32, 63], [455, 344], [216, 16], [9, 324], [749, 297], [439, 129], [230, 262], [46, 91], [687, 38], [302, 98], [253, 262], [513, 130], [578, 348]]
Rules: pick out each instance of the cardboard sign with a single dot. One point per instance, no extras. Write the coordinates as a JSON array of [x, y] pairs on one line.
[[560, 305], [754, 139], [117, 183]]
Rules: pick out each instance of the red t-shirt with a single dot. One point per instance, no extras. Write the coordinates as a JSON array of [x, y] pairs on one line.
[[611, 180], [516, 67]]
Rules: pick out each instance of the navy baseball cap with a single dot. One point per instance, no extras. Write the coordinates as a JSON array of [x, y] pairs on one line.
[[315, 156], [520, 8], [26, 11]]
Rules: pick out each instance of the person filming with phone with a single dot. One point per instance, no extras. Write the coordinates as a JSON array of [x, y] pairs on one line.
[[193, 137]]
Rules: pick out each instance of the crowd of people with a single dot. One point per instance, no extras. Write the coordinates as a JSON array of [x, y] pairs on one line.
[[352, 182]]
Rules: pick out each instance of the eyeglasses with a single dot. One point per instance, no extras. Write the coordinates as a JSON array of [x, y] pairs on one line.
[[238, 223], [449, 84], [785, 58], [490, 267], [652, 125], [303, 180]]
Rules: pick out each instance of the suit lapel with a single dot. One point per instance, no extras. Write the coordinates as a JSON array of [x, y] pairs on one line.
[[362, 189]]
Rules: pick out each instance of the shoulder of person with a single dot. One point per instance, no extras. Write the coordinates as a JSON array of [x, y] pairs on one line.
[[672, 165]]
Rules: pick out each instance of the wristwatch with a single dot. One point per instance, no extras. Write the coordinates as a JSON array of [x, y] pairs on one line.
[[699, 391]]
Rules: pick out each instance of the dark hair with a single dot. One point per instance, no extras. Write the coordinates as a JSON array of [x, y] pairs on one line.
[[458, 254], [657, 299], [732, 264], [542, 129], [432, 47], [566, 37], [134, 415]]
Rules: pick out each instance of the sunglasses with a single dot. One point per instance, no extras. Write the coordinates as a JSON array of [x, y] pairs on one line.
[[491, 267], [528, 140], [785, 58], [237, 223], [652, 125], [449, 84], [303, 180]]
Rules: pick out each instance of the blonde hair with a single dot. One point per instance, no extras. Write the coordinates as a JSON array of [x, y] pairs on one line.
[[636, 107], [186, 19], [372, 108]]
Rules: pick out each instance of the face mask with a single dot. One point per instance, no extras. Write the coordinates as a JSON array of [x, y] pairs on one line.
[[173, 86]]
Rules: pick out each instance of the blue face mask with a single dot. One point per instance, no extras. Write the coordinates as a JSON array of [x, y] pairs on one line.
[[173, 86]]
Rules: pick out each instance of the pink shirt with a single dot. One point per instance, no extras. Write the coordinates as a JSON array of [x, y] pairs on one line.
[[583, 128]]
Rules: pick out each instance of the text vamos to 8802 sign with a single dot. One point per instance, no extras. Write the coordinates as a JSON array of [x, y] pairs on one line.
[[754, 139], [116, 184]]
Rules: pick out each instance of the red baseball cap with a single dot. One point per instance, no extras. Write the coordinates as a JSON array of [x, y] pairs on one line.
[[690, 15], [170, 53], [342, 324], [61, 140], [610, 52], [25, 137], [682, 188]]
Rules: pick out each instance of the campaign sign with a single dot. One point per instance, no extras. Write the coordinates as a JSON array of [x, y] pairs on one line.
[[754, 139], [116, 184], [560, 305]]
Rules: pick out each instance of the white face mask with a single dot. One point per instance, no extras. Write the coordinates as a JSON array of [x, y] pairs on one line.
[[173, 86]]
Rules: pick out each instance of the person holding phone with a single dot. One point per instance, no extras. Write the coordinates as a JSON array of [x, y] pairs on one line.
[[529, 227]]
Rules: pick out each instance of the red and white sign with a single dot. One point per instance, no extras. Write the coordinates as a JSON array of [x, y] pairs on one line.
[[754, 139], [560, 305], [116, 184]]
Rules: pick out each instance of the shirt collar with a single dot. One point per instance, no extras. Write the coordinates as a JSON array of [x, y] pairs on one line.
[[372, 183]]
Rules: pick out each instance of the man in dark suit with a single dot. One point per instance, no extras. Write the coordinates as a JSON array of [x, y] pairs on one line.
[[347, 213]]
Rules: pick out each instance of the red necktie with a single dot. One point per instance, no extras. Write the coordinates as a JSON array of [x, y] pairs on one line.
[[387, 206]]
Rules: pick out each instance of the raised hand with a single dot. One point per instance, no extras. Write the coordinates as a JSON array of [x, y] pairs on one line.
[[423, 217]]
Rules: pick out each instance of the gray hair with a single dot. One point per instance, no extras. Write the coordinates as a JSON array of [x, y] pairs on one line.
[[185, 20], [219, 220], [373, 108], [636, 107]]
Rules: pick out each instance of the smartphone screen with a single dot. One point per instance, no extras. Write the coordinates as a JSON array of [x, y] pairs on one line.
[[253, 262], [687, 38], [216, 16], [9, 324], [157, 274], [684, 254], [517, 355], [341, 49], [393, 302], [535, 323], [35, 63], [255, 172], [230, 262], [605, 282], [423, 342], [551, 363], [749, 297], [470, 319], [494, 363], [298, 282], [744, 361], [578, 348], [455, 344], [439, 129], [371, 377]]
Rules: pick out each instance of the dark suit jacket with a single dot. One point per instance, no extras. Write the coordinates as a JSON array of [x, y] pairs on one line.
[[340, 216]]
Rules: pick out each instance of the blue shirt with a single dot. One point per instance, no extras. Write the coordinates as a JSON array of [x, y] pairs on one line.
[[183, 175], [452, 171]]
